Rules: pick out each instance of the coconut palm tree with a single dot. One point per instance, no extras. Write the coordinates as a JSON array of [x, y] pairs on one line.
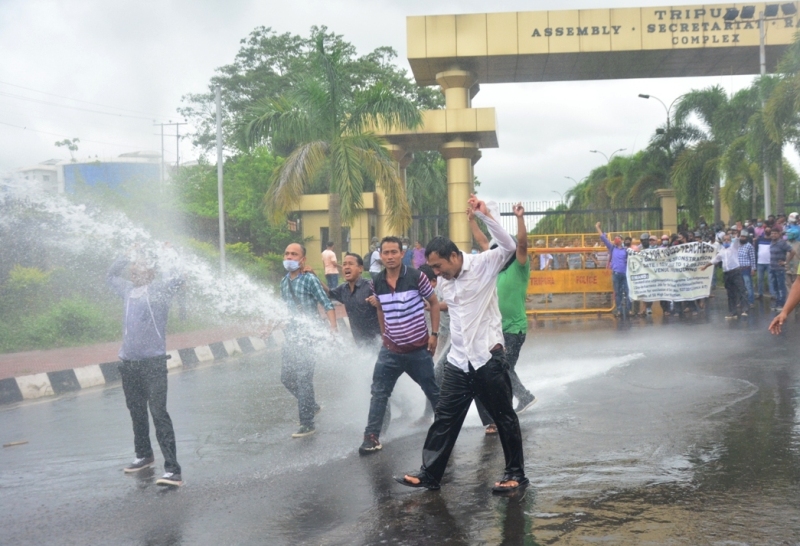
[[697, 171], [324, 128]]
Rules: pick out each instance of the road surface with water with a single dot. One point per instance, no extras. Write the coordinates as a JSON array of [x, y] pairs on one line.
[[649, 433]]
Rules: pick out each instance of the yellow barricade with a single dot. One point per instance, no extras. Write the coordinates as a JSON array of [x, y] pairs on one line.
[[581, 283]]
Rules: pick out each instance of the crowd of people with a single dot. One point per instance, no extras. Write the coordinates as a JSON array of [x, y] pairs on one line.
[[454, 322]]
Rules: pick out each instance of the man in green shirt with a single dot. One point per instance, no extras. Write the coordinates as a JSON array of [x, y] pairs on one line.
[[512, 289]]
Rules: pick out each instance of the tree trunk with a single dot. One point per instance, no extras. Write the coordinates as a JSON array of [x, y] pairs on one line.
[[717, 204], [754, 200], [335, 224], [779, 197]]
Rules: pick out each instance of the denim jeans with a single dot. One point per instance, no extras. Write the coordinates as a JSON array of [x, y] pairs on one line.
[[297, 375], [388, 369], [762, 271], [777, 285], [492, 386], [748, 283], [144, 383], [621, 291], [332, 279]]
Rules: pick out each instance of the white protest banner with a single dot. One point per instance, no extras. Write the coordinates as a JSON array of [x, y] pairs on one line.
[[670, 274]]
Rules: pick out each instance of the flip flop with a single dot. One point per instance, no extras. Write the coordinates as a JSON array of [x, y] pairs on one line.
[[522, 482], [424, 482]]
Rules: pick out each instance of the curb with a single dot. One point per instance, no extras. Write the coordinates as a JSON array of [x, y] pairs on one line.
[[40, 385]]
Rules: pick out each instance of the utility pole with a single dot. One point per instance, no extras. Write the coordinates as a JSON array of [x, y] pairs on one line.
[[177, 146], [763, 61], [220, 196]]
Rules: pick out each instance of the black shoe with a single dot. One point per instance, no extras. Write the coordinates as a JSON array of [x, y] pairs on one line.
[[525, 404], [139, 464], [170, 478], [303, 431], [371, 444]]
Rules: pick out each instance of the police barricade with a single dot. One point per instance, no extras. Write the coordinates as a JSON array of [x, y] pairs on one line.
[[580, 282]]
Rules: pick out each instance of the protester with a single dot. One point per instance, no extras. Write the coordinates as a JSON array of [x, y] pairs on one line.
[[747, 266], [143, 355], [443, 346], [407, 347], [375, 263], [331, 266], [792, 301], [793, 264], [645, 240], [762, 255], [302, 292], [734, 285], [408, 254], [780, 252], [419, 255], [545, 263], [354, 294], [476, 364], [512, 289], [618, 256]]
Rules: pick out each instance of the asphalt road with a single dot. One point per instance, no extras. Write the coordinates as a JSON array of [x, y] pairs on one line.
[[684, 432]]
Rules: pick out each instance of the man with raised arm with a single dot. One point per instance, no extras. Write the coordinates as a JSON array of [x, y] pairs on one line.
[[512, 289], [143, 369], [476, 364], [618, 256]]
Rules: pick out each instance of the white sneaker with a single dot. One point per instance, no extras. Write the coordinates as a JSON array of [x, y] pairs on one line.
[[170, 478]]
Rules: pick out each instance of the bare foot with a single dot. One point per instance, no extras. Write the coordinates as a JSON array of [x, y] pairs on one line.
[[411, 479], [509, 484]]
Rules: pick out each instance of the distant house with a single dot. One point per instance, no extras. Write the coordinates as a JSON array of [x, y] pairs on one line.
[[66, 177]]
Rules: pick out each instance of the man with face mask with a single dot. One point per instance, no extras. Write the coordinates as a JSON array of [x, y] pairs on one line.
[[302, 292], [143, 369], [618, 256], [780, 253]]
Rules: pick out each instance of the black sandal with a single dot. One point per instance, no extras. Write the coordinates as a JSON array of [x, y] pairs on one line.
[[424, 481], [522, 482]]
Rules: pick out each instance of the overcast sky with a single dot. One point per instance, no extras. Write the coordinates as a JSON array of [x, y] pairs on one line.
[[143, 56]]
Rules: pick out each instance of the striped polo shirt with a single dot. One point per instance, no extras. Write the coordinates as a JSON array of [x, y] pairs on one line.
[[403, 309]]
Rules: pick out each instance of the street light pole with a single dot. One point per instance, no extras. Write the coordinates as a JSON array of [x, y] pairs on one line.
[[762, 53], [608, 157], [220, 195]]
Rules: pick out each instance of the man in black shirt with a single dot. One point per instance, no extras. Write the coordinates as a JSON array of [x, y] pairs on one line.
[[354, 294]]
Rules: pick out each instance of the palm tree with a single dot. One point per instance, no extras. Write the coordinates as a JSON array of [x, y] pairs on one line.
[[781, 121], [697, 171], [324, 128]]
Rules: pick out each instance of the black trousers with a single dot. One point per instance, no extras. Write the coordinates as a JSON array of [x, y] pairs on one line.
[[492, 386], [512, 344], [737, 294], [144, 383]]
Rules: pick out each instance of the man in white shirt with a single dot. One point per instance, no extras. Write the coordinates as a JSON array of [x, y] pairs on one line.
[[331, 266], [476, 364], [734, 285]]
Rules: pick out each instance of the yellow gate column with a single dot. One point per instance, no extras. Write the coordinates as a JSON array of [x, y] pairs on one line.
[[402, 158], [458, 86], [669, 210], [460, 155]]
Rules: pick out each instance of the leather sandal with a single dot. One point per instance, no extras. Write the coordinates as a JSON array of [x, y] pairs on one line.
[[522, 482], [424, 481]]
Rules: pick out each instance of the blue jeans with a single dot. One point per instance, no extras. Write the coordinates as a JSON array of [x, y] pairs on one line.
[[621, 291], [332, 279], [761, 278], [748, 284], [388, 369], [777, 285]]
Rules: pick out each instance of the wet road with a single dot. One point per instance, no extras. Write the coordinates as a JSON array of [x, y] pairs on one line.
[[649, 433]]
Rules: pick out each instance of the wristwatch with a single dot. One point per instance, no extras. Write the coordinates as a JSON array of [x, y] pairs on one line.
[[435, 334]]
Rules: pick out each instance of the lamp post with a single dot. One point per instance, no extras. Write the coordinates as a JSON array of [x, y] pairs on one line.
[[560, 195], [668, 109], [576, 181], [608, 157]]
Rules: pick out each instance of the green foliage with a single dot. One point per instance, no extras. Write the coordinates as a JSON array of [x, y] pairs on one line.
[[25, 291]]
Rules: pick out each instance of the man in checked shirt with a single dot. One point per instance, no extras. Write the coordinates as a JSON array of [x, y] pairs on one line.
[[302, 292]]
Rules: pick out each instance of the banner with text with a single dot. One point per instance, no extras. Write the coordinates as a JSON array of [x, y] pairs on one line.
[[670, 274]]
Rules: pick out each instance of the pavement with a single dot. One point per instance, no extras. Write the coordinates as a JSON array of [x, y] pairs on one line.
[[650, 431]]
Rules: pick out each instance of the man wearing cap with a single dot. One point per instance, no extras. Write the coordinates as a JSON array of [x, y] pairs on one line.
[[143, 369], [618, 257]]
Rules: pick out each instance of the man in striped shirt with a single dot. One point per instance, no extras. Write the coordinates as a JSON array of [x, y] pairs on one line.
[[407, 347]]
